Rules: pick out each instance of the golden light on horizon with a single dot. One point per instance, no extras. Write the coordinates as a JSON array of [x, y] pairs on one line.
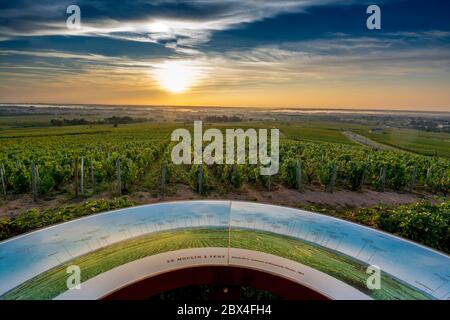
[[176, 76]]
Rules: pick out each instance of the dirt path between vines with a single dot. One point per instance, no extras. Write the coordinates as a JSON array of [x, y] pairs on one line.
[[368, 142], [280, 196]]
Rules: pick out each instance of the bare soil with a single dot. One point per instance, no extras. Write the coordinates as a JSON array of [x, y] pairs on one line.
[[279, 196], [25, 202]]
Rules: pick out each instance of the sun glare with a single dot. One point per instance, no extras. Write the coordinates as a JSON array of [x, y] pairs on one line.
[[176, 76], [159, 27]]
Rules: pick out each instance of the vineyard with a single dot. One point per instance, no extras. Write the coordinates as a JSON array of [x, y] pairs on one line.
[[82, 162]]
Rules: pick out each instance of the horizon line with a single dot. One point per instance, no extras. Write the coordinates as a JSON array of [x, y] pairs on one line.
[[382, 109]]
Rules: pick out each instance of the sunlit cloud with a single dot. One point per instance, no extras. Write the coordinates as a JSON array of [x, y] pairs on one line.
[[345, 59], [186, 29], [214, 52]]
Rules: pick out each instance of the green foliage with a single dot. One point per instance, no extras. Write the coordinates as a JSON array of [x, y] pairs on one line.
[[141, 150], [194, 178], [423, 222], [19, 179], [325, 173], [130, 173], [55, 158], [288, 172], [441, 182], [355, 173], [233, 175], [354, 162]]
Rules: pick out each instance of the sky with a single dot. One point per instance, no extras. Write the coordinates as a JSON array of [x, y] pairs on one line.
[[246, 53]]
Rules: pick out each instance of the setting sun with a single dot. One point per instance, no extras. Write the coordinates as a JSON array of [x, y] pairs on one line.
[[176, 76]]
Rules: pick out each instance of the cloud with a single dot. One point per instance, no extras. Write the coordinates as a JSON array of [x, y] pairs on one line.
[[177, 24], [184, 26], [346, 59]]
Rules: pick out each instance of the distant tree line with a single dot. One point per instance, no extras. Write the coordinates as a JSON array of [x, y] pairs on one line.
[[440, 125], [81, 121], [223, 119]]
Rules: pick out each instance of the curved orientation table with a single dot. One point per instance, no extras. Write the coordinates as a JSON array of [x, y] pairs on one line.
[[120, 248]]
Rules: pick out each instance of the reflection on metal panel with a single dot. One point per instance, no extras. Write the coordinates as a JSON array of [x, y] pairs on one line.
[[334, 247]]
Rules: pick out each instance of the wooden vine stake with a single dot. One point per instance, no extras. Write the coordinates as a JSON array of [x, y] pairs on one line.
[[333, 179], [119, 181], [2, 178], [92, 175], [34, 182], [383, 178], [233, 173], [200, 180], [37, 179], [75, 174], [163, 178], [414, 179], [363, 178], [299, 175], [428, 176], [82, 176]]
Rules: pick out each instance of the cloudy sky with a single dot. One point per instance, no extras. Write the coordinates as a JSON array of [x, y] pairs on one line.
[[284, 53]]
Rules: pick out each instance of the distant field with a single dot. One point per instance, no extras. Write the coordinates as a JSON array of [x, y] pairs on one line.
[[317, 132], [421, 142], [313, 131], [426, 143], [97, 130], [53, 282], [24, 121]]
